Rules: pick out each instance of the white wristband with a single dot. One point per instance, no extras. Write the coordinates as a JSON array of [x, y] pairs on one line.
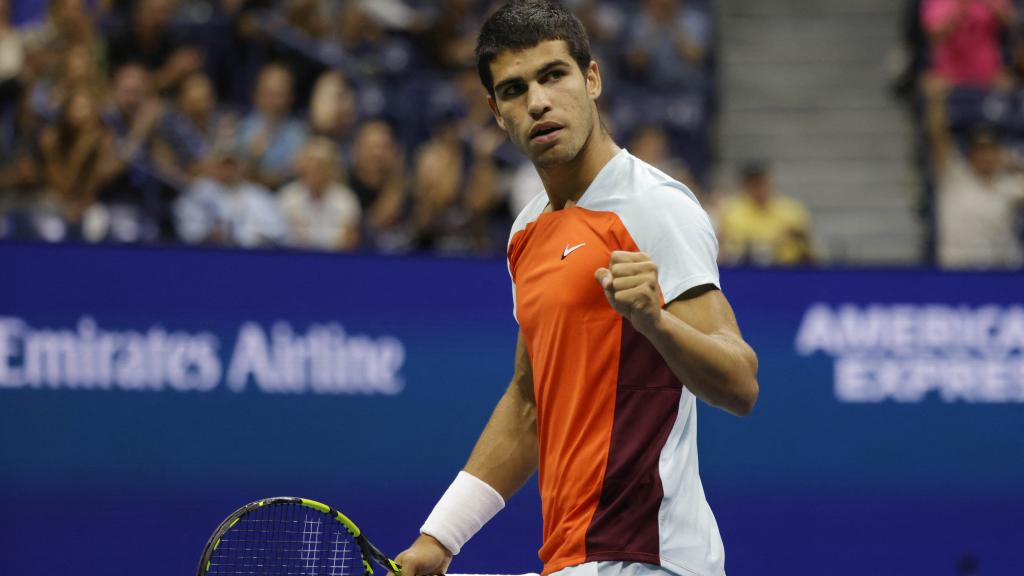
[[466, 506]]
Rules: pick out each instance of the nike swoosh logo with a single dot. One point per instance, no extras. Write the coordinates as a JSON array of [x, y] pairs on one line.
[[570, 249]]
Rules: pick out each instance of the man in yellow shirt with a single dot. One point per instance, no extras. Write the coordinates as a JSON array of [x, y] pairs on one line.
[[761, 227]]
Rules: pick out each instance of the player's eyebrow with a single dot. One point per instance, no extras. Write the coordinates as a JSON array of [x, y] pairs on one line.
[[540, 72]]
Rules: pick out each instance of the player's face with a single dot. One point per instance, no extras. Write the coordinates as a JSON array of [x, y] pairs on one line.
[[544, 102]]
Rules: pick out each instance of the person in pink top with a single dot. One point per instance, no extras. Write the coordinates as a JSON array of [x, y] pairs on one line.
[[965, 39]]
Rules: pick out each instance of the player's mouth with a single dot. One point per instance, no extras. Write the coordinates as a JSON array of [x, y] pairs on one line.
[[545, 132]]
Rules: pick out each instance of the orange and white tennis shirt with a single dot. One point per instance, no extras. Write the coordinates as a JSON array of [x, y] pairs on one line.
[[617, 431]]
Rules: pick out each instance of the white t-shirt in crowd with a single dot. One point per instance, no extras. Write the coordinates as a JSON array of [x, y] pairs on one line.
[[975, 218], [319, 222]]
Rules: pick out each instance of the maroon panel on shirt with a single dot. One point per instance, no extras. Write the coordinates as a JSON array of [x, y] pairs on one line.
[[625, 524]]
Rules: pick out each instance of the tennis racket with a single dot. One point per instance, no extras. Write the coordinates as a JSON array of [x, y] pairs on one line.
[[290, 536]]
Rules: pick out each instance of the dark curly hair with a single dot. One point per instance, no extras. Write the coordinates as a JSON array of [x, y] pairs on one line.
[[522, 24]]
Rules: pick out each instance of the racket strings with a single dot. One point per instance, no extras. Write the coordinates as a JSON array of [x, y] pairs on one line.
[[311, 544], [341, 558], [286, 540]]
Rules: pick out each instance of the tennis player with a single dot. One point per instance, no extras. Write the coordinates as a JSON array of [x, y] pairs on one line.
[[622, 326]]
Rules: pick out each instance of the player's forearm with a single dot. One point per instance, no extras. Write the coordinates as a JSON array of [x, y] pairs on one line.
[[505, 456], [719, 368]]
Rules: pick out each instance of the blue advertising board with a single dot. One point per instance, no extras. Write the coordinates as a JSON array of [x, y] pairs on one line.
[[147, 392]]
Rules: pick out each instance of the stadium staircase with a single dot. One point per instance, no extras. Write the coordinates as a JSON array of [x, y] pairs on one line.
[[803, 85]]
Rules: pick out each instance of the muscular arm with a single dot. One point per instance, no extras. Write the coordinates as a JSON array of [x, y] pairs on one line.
[[696, 334], [699, 339], [505, 455]]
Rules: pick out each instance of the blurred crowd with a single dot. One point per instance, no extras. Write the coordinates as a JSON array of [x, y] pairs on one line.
[[322, 124], [964, 75]]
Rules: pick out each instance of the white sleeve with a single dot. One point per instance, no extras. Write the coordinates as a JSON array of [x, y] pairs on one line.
[[671, 227], [514, 310], [528, 214]]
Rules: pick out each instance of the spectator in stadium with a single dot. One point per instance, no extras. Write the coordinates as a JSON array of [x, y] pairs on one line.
[[482, 192], [309, 17], [224, 208], [604, 21], [377, 175], [17, 171], [150, 41], [132, 111], [298, 37], [12, 58], [332, 110], [53, 48], [965, 36], [190, 128], [162, 148], [366, 43], [321, 211], [466, 103], [63, 50], [437, 182], [667, 43], [761, 227], [450, 38], [79, 156], [491, 156], [270, 136], [235, 46], [650, 144], [19, 177], [67, 23], [76, 66], [355, 28], [455, 187], [132, 202], [979, 194]]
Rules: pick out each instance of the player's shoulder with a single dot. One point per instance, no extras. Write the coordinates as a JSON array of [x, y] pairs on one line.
[[534, 208], [644, 189]]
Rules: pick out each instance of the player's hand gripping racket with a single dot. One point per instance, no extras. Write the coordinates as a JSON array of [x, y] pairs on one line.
[[285, 535]]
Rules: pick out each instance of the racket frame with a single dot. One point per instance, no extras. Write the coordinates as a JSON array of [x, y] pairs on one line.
[[366, 548]]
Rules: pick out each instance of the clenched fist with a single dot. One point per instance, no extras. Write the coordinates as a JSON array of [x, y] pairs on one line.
[[630, 283]]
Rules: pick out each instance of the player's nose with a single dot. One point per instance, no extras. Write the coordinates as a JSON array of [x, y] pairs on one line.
[[538, 102]]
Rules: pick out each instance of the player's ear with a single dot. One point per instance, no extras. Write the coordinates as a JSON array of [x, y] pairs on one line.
[[594, 80], [494, 110]]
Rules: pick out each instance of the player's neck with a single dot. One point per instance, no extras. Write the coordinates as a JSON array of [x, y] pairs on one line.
[[566, 183]]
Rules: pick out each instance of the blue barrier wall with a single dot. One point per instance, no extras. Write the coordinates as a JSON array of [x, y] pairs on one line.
[[146, 393]]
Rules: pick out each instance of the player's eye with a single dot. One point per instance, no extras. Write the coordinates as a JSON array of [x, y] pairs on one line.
[[512, 91], [552, 76]]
